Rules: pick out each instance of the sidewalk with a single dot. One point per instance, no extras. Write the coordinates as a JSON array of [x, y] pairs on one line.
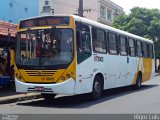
[[8, 95], [157, 74], [7, 92]]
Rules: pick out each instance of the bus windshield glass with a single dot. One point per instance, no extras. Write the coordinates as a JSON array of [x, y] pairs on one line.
[[44, 47]]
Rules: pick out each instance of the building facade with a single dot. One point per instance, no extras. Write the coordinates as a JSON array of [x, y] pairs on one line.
[[103, 11], [14, 10], [7, 34]]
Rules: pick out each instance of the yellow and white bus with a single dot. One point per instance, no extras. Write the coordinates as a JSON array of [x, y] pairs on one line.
[[73, 55]]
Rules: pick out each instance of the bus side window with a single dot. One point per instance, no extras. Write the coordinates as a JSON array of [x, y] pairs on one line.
[[131, 44], [145, 49], [112, 43], [139, 48], [123, 45], [99, 42], [151, 55], [83, 42]]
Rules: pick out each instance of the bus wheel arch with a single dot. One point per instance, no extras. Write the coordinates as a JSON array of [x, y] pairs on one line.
[[138, 80], [98, 85]]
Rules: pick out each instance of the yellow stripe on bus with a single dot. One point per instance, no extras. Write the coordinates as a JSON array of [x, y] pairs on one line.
[[147, 65], [146, 69]]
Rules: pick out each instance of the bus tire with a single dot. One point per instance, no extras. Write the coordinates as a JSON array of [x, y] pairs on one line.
[[48, 97], [97, 89], [138, 82]]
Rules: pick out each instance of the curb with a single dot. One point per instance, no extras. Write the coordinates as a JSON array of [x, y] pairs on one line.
[[21, 97]]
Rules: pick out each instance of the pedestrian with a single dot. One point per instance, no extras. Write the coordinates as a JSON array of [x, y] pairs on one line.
[[159, 68], [3, 66]]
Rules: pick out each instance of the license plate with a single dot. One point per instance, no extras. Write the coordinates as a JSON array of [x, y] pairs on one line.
[[39, 88]]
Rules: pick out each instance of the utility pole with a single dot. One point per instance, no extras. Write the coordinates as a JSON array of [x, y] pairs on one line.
[[80, 9]]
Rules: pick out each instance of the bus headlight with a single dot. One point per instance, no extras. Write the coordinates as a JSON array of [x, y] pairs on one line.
[[68, 75], [63, 78], [17, 75], [20, 77]]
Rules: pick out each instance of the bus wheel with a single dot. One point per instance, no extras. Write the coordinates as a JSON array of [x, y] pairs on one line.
[[48, 97], [138, 82], [97, 88]]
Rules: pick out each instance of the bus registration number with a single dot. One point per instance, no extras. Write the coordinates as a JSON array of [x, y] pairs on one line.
[[39, 88], [47, 79]]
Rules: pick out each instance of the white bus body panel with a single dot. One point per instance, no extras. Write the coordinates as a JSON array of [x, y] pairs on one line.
[[84, 80], [115, 70], [66, 87]]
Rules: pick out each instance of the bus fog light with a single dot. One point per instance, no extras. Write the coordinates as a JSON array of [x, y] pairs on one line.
[[68, 75], [20, 77], [63, 78], [17, 75]]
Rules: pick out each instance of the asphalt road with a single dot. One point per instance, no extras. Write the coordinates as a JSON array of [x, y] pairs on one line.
[[117, 101]]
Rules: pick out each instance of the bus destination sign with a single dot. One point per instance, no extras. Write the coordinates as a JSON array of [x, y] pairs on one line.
[[44, 21]]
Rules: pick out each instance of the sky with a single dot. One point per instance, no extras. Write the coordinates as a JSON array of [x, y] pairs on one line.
[[128, 4]]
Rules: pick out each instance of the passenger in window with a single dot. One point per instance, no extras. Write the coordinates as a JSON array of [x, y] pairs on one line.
[[49, 47], [68, 42], [67, 46], [23, 58], [38, 48], [97, 46], [83, 47], [85, 42], [57, 37], [159, 68]]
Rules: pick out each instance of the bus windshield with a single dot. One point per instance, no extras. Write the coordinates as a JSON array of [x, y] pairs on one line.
[[44, 47]]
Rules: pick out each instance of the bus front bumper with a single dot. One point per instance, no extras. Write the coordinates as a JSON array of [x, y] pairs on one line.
[[66, 87]]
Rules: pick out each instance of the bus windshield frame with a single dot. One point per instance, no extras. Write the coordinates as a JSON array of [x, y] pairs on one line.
[[51, 48]]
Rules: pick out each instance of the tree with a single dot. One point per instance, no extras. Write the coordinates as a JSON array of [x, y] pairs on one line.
[[142, 22]]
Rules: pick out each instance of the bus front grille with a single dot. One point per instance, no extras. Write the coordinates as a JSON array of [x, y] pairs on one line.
[[40, 73]]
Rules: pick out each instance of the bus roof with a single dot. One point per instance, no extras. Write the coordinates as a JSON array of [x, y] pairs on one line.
[[100, 25], [77, 18]]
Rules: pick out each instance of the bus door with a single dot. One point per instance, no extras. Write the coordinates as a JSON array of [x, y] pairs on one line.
[[84, 66]]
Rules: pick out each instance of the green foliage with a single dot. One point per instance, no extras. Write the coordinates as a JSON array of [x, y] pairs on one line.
[[142, 22]]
